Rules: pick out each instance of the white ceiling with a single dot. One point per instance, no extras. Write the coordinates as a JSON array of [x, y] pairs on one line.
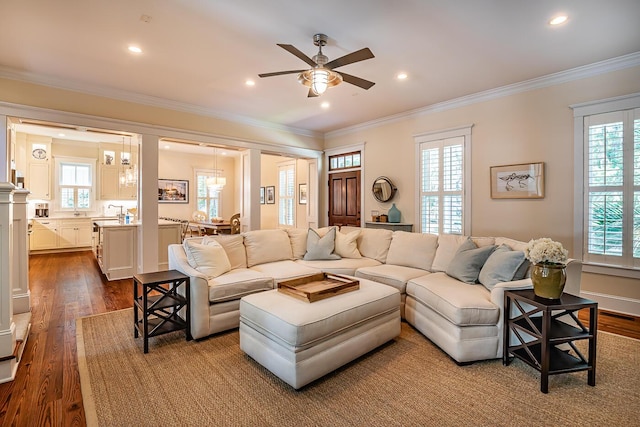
[[197, 54]]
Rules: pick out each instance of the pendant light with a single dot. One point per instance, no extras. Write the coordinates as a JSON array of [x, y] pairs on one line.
[[131, 173], [216, 182], [122, 174]]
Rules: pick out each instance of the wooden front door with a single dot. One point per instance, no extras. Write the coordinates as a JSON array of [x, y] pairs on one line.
[[344, 198]]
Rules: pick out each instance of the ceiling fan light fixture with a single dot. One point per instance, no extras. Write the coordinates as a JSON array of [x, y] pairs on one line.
[[319, 79]]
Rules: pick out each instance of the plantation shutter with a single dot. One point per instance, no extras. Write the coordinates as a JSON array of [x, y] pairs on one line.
[[286, 195]]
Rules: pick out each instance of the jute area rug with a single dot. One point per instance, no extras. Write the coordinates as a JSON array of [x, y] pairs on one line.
[[407, 382]]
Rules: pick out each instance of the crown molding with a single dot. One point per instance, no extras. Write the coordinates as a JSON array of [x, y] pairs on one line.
[[152, 101], [590, 70]]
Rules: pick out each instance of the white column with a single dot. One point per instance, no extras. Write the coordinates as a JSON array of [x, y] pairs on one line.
[[251, 190], [148, 204], [21, 292], [8, 363], [4, 150]]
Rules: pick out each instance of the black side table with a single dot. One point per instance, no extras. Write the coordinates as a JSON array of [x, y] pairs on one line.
[[538, 331], [157, 304]]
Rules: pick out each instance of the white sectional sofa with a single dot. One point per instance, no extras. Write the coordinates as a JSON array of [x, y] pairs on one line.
[[452, 287]]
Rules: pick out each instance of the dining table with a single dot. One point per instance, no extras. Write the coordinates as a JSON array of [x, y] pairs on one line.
[[209, 227]]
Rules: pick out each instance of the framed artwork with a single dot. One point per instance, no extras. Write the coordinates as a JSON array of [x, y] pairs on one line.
[[262, 195], [173, 191], [302, 194], [522, 181], [270, 195]]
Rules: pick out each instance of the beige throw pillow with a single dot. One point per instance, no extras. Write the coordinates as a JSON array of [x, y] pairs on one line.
[[234, 247], [415, 250], [347, 244], [265, 246], [210, 259]]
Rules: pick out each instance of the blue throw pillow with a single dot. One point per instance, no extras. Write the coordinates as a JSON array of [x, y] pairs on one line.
[[468, 260], [319, 248], [503, 265]]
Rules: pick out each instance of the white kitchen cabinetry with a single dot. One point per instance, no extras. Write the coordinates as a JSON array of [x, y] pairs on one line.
[[44, 235], [116, 251], [74, 233], [39, 183], [167, 234], [110, 168]]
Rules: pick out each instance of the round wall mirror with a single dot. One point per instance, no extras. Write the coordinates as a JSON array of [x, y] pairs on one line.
[[383, 189]]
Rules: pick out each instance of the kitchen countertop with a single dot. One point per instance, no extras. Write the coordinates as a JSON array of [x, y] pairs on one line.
[[115, 223]]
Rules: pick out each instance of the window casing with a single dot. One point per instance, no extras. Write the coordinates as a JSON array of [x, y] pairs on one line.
[[612, 189], [286, 194], [443, 181], [75, 183], [207, 199]]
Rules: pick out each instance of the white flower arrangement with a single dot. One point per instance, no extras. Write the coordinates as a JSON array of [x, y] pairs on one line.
[[546, 251]]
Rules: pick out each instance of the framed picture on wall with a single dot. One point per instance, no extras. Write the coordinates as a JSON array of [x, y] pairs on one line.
[[521, 181], [270, 194], [173, 191], [262, 195], [302, 194]]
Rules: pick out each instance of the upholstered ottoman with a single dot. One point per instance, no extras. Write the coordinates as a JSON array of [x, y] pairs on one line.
[[300, 342]]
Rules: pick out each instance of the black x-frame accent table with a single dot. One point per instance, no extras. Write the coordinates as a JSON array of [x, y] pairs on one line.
[[157, 304], [538, 331]]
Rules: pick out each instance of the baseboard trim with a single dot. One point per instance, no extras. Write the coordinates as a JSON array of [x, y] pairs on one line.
[[614, 303]]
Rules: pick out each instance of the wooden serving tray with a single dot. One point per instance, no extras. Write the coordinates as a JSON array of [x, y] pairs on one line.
[[318, 286]]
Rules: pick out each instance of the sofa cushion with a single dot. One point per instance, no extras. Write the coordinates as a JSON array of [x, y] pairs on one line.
[[460, 303], [415, 250], [391, 275], [347, 244], [237, 283], [320, 247], [516, 245], [210, 259], [448, 245], [264, 246], [340, 266], [374, 243], [468, 261], [284, 270], [502, 266], [298, 237], [234, 247]]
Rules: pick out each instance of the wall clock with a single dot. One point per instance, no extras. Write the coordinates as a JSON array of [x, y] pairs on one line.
[[39, 153]]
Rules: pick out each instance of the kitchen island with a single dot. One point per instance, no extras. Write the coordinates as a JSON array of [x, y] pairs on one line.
[[115, 246]]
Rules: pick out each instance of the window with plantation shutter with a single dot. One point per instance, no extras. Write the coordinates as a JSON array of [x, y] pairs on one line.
[[612, 188], [208, 199], [286, 194], [75, 183], [443, 172]]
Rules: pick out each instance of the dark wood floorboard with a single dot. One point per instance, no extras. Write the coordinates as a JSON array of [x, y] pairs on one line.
[[65, 286]]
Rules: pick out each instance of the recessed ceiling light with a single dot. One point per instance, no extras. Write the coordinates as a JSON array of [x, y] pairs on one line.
[[560, 19], [135, 49], [61, 134], [250, 83], [401, 76], [166, 147], [325, 105]]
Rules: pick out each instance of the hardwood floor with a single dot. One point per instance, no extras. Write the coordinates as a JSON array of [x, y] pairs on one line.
[[46, 390]]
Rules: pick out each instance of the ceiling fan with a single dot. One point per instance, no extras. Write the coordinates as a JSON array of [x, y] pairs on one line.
[[322, 75]]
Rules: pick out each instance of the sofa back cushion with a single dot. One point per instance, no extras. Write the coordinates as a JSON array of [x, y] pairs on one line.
[[234, 247], [298, 238], [415, 250], [210, 259], [264, 246], [374, 243]]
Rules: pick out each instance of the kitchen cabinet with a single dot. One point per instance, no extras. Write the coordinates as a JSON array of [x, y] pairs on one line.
[[39, 183], [113, 162], [116, 249], [74, 233], [44, 235]]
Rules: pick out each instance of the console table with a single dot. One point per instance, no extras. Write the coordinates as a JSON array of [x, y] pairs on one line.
[[393, 226], [538, 332], [157, 304]]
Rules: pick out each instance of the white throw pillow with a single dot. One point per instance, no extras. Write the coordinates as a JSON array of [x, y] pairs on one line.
[[448, 245], [347, 244], [265, 246], [320, 248], [210, 259], [234, 247], [415, 250], [298, 237]]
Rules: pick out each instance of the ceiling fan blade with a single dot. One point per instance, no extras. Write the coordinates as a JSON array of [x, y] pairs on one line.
[[357, 81], [359, 55], [293, 50], [311, 94], [279, 73]]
